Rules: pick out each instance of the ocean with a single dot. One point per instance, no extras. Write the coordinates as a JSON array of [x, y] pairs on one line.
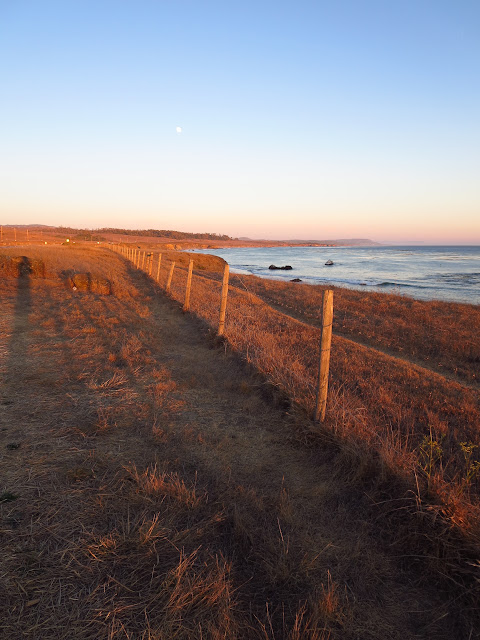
[[448, 273]]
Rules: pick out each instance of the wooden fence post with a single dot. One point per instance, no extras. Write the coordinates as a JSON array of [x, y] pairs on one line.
[[223, 302], [150, 265], [143, 260], [186, 305], [170, 276], [324, 360], [158, 268]]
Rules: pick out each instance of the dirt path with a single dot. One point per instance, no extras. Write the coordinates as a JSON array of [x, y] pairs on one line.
[[100, 396]]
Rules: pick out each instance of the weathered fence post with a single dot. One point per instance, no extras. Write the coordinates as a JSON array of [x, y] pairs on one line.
[[170, 276], [223, 302], [186, 305], [143, 260], [150, 265], [158, 268], [324, 360]]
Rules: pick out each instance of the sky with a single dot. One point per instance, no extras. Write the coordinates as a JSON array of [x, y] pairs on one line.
[[313, 120]]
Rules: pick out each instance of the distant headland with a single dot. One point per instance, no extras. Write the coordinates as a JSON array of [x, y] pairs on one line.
[[176, 239]]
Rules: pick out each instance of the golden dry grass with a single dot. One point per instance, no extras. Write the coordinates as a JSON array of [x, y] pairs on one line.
[[418, 424], [438, 335], [154, 488]]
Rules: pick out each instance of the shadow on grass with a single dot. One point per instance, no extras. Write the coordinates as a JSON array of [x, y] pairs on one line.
[[18, 358]]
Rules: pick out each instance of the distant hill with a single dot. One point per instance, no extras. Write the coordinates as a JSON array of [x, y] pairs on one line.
[[170, 234], [166, 233], [341, 242], [98, 233]]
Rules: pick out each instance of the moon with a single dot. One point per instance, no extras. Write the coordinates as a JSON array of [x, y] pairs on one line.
[[178, 129]]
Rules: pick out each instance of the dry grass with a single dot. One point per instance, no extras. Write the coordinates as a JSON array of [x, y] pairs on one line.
[[421, 426], [154, 493], [439, 335]]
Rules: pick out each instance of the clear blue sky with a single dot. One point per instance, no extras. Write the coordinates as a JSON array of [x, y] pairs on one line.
[[348, 118]]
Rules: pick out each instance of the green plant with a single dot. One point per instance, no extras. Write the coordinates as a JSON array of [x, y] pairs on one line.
[[430, 453], [472, 467]]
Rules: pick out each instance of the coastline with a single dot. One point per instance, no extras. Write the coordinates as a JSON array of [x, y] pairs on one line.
[[428, 273]]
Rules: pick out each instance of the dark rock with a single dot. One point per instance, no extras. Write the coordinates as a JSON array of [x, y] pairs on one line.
[[287, 267], [296, 280]]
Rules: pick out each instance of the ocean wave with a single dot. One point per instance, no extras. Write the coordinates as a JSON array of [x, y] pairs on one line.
[[378, 283], [458, 277], [364, 282], [400, 284]]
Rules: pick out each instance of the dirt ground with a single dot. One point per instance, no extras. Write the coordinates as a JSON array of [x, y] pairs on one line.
[[153, 487]]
